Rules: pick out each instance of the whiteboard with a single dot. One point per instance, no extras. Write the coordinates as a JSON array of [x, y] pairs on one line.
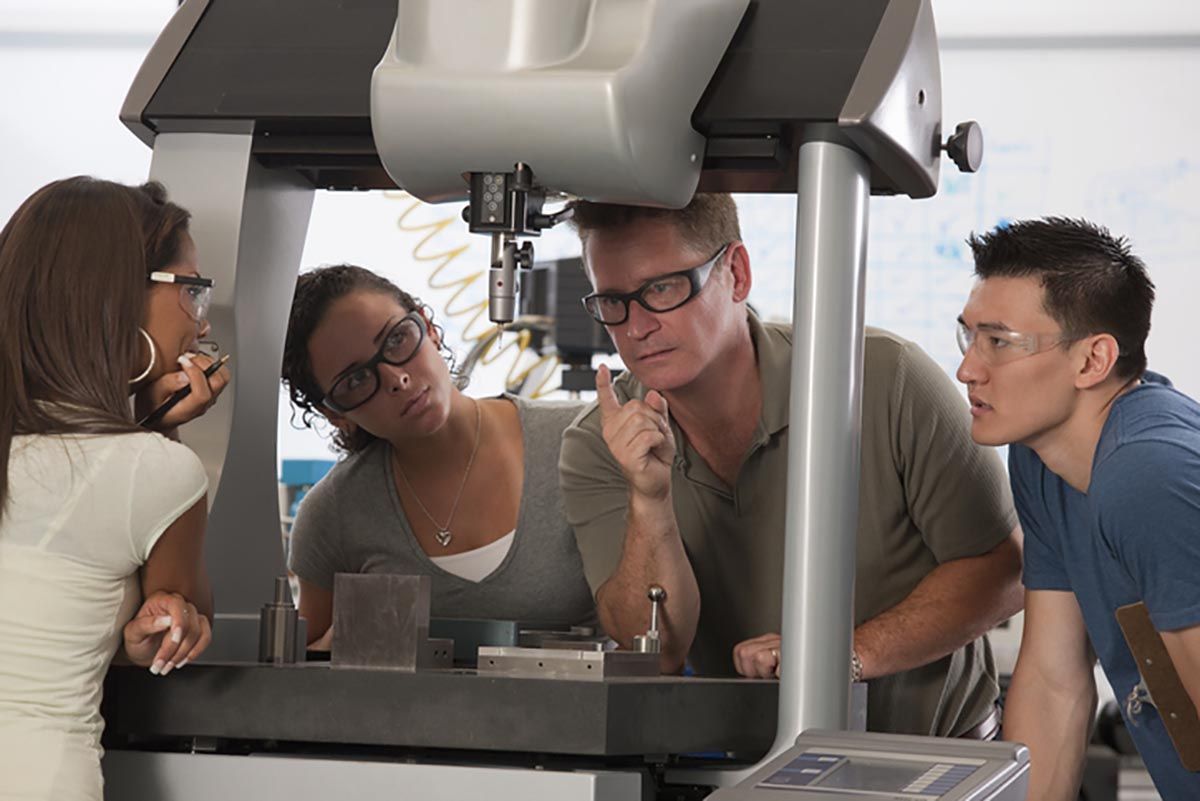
[[1104, 134]]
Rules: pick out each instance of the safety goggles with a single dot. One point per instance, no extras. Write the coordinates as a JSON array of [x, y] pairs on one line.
[[997, 346], [195, 293]]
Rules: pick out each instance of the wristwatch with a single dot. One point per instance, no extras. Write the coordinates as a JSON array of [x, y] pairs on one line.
[[855, 667]]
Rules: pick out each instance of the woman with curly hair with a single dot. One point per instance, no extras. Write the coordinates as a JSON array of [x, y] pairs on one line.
[[434, 482]]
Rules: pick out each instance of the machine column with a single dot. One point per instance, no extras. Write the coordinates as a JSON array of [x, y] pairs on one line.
[[823, 446], [249, 224]]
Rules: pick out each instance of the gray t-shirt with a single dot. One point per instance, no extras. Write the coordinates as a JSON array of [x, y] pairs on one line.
[[352, 522]]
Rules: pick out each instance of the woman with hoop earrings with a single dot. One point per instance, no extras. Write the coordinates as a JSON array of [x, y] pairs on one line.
[[101, 522]]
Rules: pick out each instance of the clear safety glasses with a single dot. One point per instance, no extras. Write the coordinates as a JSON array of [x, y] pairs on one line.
[[195, 293], [997, 346]]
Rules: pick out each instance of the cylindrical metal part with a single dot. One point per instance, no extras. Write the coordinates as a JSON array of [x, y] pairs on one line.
[[657, 595], [647, 643], [277, 627], [502, 285], [823, 444]]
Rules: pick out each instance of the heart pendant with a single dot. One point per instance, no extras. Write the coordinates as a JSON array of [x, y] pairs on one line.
[[443, 536]]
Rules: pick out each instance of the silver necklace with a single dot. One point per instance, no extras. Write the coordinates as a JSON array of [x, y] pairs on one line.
[[442, 533]]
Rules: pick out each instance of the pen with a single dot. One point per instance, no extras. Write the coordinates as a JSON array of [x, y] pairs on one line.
[[180, 394]]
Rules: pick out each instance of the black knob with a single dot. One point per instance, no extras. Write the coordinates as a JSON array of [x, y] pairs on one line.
[[965, 146], [524, 255]]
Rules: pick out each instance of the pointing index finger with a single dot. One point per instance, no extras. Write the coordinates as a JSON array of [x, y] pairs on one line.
[[606, 396]]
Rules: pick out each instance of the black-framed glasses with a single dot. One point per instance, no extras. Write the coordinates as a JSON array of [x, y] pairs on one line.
[[358, 384], [662, 294], [195, 293]]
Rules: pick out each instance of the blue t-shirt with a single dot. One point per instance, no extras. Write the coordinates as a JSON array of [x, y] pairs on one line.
[[1135, 536]]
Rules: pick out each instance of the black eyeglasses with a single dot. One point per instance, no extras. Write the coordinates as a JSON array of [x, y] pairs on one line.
[[662, 294], [358, 384]]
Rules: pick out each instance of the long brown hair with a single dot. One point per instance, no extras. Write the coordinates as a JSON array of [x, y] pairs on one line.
[[73, 265]]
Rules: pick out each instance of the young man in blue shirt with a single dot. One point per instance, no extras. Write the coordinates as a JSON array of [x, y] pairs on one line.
[[1105, 471]]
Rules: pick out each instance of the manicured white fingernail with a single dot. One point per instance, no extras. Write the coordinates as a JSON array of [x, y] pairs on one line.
[[181, 664], [162, 621], [191, 354], [157, 667], [177, 636], [170, 666], [185, 360]]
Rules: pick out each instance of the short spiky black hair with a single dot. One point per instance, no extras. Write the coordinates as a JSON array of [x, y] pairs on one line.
[[1093, 283]]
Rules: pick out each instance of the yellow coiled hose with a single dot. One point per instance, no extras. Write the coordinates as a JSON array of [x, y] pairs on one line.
[[469, 300]]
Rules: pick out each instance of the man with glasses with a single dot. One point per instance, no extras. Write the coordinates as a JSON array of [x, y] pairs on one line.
[[1105, 470], [677, 477]]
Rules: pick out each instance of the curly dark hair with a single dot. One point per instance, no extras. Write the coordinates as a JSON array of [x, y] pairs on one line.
[[316, 291]]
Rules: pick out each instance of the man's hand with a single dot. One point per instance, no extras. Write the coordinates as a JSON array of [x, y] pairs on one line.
[[639, 436], [166, 633], [758, 657]]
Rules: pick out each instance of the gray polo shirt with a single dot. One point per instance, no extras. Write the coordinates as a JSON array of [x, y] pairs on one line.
[[927, 495]]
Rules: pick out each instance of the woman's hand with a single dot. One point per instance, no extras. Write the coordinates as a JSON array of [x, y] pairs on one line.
[[166, 633], [324, 642], [204, 392]]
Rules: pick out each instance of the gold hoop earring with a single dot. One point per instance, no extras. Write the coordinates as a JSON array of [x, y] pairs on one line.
[[150, 366]]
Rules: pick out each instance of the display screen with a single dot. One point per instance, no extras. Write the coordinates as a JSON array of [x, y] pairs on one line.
[[887, 777], [893, 777]]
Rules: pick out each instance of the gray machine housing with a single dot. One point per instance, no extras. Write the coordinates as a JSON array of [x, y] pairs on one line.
[[299, 84], [601, 94]]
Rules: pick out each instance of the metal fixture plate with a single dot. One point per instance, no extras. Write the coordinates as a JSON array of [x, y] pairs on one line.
[[575, 663]]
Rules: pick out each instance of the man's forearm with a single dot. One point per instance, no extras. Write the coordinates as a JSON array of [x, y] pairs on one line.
[[1054, 722], [956, 603], [653, 553]]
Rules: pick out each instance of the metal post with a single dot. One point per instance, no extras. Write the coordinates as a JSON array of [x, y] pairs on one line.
[[825, 429], [249, 224]]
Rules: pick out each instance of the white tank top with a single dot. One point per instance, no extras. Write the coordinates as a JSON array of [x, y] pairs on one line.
[[477, 564], [82, 516]]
